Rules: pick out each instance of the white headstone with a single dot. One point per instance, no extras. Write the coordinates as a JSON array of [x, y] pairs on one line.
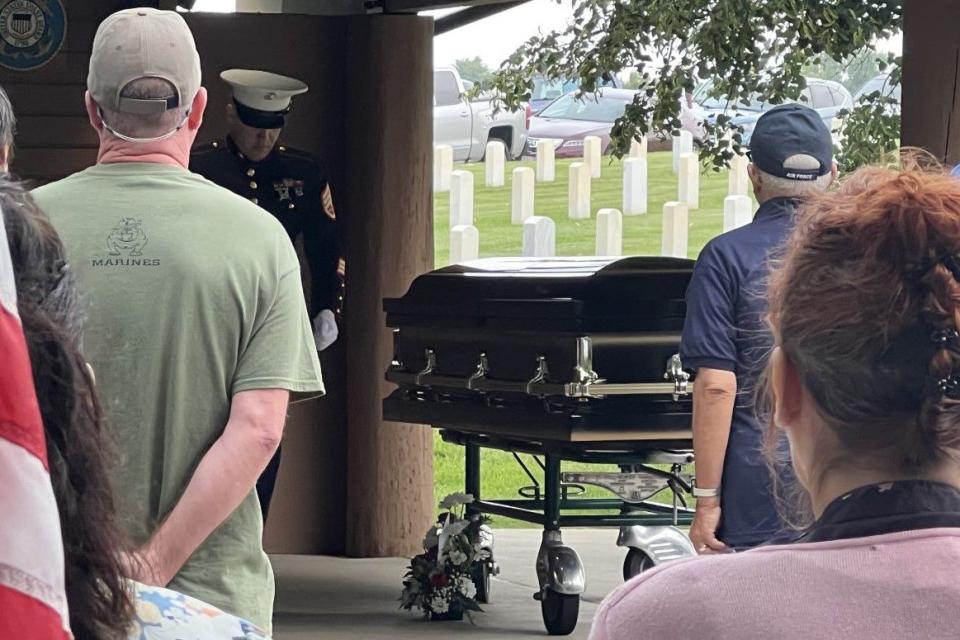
[[494, 162], [634, 186], [689, 180], [546, 160], [539, 237], [676, 220], [442, 167], [682, 143], [638, 147], [522, 196], [738, 182], [592, 153], [737, 212], [464, 243], [461, 198], [578, 191], [609, 232]]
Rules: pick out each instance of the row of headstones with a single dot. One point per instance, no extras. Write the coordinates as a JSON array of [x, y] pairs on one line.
[[539, 237], [540, 232]]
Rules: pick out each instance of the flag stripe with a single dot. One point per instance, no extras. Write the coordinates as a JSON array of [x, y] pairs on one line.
[[19, 413], [31, 554], [26, 619]]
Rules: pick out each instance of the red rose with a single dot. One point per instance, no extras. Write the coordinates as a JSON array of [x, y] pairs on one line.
[[439, 580]]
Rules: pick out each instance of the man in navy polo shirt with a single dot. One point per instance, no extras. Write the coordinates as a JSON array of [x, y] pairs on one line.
[[726, 341]]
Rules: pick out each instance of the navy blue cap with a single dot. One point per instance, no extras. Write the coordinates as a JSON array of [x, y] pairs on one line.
[[789, 130]]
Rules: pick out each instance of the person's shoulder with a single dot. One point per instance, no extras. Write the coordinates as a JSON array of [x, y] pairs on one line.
[[65, 187], [299, 160], [214, 148]]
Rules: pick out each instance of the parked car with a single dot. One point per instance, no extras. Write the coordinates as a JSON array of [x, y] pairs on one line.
[[826, 97], [570, 119], [882, 84], [468, 125], [546, 90]]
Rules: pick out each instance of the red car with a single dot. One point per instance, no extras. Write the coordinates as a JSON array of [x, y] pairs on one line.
[[568, 120]]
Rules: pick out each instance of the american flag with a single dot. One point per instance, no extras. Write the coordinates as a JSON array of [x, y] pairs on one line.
[[32, 598]]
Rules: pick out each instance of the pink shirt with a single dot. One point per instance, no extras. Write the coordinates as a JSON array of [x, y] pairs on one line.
[[887, 587]]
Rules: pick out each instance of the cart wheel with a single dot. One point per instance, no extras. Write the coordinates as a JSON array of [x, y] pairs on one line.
[[481, 580], [636, 563], [560, 612]]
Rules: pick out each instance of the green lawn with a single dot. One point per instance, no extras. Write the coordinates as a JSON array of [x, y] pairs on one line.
[[641, 236]]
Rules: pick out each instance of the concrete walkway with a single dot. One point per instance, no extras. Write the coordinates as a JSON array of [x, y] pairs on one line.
[[321, 598]]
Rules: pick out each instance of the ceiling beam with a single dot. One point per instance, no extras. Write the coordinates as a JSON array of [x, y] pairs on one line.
[[413, 6], [471, 14]]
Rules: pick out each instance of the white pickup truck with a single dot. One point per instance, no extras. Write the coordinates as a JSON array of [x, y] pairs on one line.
[[467, 125]]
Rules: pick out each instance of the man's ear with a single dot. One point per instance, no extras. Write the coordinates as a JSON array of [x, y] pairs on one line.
[[93, 113], [197, 108], [231, 115], [787, 390], [755, 178], [834, 171]]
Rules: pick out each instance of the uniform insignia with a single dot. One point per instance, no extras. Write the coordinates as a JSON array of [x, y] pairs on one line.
[[327, 199], [282, 187], [342, 267]]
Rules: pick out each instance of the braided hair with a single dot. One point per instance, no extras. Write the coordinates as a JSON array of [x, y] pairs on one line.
[[47, 301], [866, 305]]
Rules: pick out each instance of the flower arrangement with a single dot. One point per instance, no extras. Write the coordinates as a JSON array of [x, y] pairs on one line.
[[440, 581]]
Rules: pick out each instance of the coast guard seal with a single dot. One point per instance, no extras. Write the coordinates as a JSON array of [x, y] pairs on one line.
[[31, 32]]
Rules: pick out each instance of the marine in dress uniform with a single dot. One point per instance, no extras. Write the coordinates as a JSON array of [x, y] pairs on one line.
[[290, 184]]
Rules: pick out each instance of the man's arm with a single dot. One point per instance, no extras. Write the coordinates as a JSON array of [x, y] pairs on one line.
[[714, 396], [222, 480]]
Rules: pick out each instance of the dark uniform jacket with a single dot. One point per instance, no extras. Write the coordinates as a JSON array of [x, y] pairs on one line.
[[292, 186]]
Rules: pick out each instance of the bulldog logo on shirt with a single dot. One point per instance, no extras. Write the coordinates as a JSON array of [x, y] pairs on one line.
[[127, 237]]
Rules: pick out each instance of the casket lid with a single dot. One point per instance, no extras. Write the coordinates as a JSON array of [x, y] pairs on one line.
[[554, 288]]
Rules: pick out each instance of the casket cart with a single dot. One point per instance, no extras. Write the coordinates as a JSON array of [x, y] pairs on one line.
[[566, 359]]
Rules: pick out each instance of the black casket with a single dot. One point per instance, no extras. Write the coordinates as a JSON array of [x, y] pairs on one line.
[[559, 349]]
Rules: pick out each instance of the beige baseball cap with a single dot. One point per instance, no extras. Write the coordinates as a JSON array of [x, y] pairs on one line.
[[143, 43]]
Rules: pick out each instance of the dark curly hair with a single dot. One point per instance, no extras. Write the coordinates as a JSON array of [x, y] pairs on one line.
[[98, 598]]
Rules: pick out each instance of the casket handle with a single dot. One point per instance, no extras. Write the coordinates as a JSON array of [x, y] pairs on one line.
[[483, 368], [431, 358]]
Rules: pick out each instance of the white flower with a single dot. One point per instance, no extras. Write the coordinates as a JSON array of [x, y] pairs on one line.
[[457, 557], [455, 527], [469, 589], [439, 605], [456, 499]]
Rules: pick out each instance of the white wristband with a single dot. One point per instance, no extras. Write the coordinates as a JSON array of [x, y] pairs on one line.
[[706, 493]]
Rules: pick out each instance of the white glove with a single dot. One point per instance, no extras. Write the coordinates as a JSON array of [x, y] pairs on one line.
[[325, 329]]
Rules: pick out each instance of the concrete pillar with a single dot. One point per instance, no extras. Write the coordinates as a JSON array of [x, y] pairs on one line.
[[682, 143], [738, 181], [522, 195], [539, 237], [592, 153], [442, 167], [689, 180], [578, 192], [676, 221], [634, 186], [495, 160], [546, 160], [609, 232], [638, 147], [737, 212], [461, 198], [464, 243]]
